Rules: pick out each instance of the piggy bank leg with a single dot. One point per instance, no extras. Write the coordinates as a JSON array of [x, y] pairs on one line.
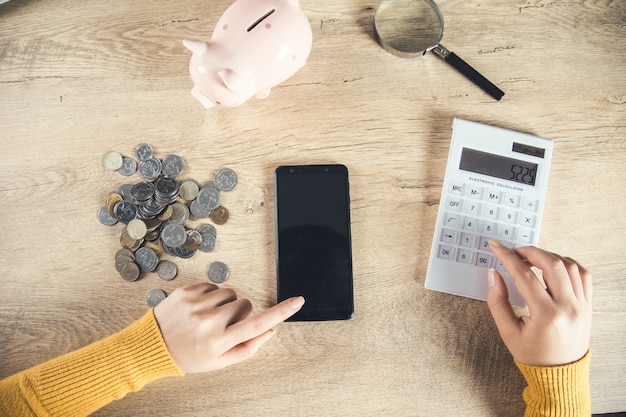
[[204, 100], [263, 94]]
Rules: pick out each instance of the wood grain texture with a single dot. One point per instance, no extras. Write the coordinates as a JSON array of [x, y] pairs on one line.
[[78, 79]]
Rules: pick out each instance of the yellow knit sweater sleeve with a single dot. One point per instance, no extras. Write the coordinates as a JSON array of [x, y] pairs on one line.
[[80, 382], [557, 391]]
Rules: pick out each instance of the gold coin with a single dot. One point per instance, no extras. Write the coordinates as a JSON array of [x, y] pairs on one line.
[[136, 229], [156, 246], [128, 242], [219, 215], [166, 214], [111, 201], [113, 161], [152, 235], [152, 224], [194, 240]]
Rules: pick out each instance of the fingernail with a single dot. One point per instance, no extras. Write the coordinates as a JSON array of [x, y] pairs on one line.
[[495, 243], [297, 303], [491, 277]]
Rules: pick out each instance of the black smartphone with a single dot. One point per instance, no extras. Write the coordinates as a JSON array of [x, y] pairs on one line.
[[313, 240]]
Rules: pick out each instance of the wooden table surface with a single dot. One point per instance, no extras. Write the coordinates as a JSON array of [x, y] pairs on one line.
[[79, 79]]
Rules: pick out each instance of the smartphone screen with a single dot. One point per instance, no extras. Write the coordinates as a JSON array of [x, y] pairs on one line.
[[313, 240]]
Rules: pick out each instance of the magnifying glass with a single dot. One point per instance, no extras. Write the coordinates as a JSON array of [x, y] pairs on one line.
[[410, 28]]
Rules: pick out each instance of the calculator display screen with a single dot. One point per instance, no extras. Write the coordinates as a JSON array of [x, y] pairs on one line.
[[498, 166]]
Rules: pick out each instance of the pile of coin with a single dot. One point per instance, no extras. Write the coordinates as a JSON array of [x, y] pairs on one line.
[[156, 212]]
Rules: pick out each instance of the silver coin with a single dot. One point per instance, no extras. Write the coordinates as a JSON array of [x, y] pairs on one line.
[[129, 271], [218, 272], [146, 259], [207, 229], [209, 242], [173, 235], [105, 218], [225, 179], [124, 190], [142, 192], [209, 197], [125, 211], [173, 166], [150, 169], [154, 297], [128, 168], [144, 152], [180, 213], [167, 270], [198, 211]]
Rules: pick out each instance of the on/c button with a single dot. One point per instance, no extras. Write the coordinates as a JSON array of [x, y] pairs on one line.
[[445, 252]]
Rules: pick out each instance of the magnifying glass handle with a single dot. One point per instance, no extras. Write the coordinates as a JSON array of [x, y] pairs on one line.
[[467, 70]]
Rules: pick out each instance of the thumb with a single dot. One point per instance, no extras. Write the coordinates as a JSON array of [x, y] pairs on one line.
[[500, 307]]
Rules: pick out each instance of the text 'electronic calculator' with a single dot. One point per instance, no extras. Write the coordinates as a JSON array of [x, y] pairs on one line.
[[494, 188]]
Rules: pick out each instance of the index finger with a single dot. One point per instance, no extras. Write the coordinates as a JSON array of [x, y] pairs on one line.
[[524, 278], [257, 324]]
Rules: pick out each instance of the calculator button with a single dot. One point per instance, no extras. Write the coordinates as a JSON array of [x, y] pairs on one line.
[[500, 266], [484, 260], [490, 212], [488, 228], [530, 204], [508, 215], [507, 232], [449, 236], [465, 256], [525, 235], [527, 220], [484, 244], [470, 223], [511, 200], [445, 252], [454, 203], [468, 240], [471, 207], [452, 220], [493, 196], [475, 192], [457, 188]]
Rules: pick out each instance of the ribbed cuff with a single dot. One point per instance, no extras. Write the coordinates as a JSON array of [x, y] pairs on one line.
[[85, 380], [557, 391]]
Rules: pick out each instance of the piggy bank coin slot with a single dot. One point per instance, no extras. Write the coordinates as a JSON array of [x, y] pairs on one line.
[[260, 19]]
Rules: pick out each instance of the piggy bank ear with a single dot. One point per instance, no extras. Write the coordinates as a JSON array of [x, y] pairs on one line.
[[197, 47], [230, 78]]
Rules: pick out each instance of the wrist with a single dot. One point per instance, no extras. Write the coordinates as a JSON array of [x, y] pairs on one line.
[[559, 387]]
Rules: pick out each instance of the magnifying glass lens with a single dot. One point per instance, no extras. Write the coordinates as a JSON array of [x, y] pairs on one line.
[[408, 27]]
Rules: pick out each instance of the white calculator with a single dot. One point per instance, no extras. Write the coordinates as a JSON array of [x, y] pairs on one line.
[[494, 188]]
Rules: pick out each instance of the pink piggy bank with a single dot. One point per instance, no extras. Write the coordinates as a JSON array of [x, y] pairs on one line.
[[256, 45]]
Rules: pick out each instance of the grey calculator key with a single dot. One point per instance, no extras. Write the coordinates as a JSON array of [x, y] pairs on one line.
[[468, 240], [484, 260], [445, 252], [448, 236], [465, 256]]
